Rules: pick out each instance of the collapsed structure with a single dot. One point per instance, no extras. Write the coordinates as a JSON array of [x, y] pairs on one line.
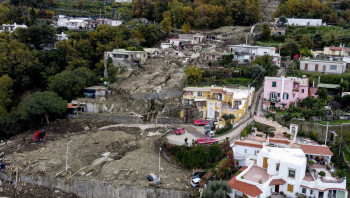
[[248, 53]]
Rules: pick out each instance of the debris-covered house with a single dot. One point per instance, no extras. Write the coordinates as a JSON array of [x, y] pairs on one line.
[[193, 38], [213, 102], [125, 58], [95, 91], [248, 53]]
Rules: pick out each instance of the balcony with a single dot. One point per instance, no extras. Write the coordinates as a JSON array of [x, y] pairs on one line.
[[329, 174]]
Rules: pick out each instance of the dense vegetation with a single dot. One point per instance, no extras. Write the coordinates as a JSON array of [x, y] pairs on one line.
[[26, 68], [226, 72], [199, 13]]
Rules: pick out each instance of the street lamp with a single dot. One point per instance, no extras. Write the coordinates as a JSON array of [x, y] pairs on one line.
[[160, 149]]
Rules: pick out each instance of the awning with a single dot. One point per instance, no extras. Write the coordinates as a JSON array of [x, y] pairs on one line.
[[200, 99], [277, 182]]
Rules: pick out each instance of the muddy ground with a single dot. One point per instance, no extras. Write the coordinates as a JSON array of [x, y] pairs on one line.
[[116, 154]]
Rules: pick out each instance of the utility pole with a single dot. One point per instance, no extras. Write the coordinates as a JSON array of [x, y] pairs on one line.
[[160, 149], [325, 141], [67, 155]]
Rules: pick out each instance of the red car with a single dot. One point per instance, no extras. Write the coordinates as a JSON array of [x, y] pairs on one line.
[[201, 122], [179, 131], [207, 140]]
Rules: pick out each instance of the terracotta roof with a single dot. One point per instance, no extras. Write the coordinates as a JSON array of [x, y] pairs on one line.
[[245, 188], [279, 141], [218, 91], [70, 106], [243, 168], [277, 182], [249, 144], [313, 149], [336, 48], [205, 178]]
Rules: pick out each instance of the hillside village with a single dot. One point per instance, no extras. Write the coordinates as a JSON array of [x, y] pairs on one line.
[[175, 99]]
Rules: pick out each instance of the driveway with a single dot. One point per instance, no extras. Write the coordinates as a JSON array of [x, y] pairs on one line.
[[192, 133]]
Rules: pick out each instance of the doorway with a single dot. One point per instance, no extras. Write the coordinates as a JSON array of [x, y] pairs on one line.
[[277, 188]]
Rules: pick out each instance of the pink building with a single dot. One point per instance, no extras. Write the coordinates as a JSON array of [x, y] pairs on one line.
[[283, 91]]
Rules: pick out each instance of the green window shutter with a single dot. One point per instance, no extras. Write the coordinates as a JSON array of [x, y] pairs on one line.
[[287, 96], [274, 84]]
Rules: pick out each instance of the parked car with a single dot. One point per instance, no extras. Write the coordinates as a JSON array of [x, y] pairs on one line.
[[153, 178], [201, 122], [179, 131], [196, 178], [207, 140]]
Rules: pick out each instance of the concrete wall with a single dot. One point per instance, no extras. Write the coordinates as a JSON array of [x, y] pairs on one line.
[[90, 189]]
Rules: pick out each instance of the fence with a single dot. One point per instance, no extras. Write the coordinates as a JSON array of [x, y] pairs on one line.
[[95, 189]]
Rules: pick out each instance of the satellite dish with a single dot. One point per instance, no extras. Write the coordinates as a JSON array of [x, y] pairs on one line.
[[138, 56]]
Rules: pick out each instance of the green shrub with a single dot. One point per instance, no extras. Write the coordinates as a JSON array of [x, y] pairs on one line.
[[287, 135], [313, 135], [271, 134], [322, 173], [224, 130]]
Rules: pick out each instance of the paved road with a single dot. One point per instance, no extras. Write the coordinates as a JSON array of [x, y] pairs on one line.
[[238, 127]]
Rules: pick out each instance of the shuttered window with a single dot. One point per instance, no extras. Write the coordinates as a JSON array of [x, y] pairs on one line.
[[290, 188]]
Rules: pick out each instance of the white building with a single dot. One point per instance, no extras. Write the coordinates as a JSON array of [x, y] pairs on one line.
[[244, 149], [274, 170], [303, 22], [61, 37], [72, 24], [11, 27], [323, 66], [166, 45], [110, 22], [248, 53], [123, 1], [194, 38]]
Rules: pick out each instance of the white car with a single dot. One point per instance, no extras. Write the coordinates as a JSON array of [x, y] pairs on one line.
[[195, 182]]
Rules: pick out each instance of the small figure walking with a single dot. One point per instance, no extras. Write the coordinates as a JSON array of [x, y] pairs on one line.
[[186, 140]]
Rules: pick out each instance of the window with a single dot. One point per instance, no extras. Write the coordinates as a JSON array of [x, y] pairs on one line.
[[303, 190], [274, 84], [316, 67], [285, 96], [200, 93], [277, 167], [115, 56], [306, 66], [311, 192], [290, 188], [278, 95], [291, 173], [189, 93], [333, 67], [302, 90]]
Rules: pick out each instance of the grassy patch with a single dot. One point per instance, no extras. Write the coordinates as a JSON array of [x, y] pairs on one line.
[[334, 122]]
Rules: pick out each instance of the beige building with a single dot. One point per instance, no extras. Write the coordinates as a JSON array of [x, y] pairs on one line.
[[323, 66]]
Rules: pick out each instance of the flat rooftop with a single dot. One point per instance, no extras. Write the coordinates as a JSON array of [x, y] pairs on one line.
[[255, 174]]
